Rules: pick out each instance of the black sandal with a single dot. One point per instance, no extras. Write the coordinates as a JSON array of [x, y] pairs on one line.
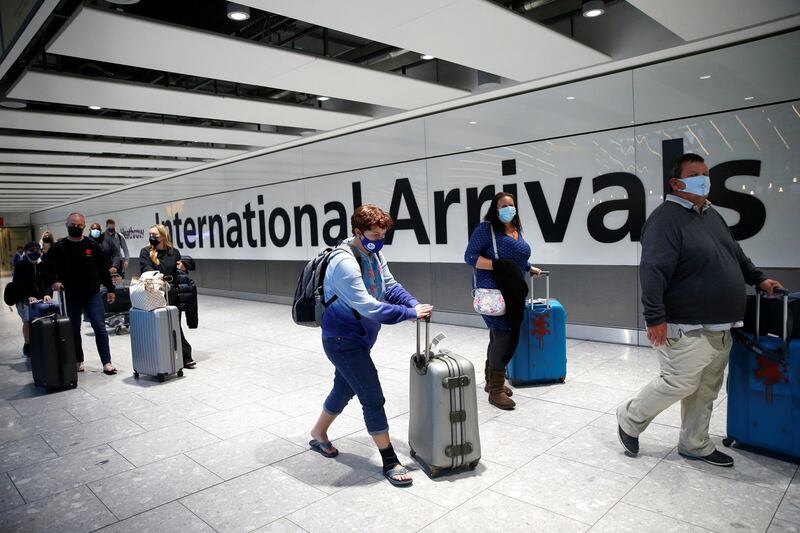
[[321, 446], [190, 364], [397, 470]]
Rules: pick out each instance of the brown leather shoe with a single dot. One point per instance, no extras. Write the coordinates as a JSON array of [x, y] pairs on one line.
[[509, 392], [497, 395]]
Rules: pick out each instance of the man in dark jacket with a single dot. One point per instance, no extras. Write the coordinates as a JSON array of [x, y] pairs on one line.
[[693, 275], [78, 267]]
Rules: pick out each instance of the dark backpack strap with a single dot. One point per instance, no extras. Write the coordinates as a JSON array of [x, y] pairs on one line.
[[336, 297]]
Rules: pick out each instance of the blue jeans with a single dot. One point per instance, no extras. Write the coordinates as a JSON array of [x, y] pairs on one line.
[[355, 375], [96, 313]]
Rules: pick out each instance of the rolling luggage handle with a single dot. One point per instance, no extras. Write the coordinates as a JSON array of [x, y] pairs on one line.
[[546, 274], [754, 345], [783, 292], [420, 359]]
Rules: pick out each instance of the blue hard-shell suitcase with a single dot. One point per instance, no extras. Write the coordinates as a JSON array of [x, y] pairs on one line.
[[764, 391], [541, 355]]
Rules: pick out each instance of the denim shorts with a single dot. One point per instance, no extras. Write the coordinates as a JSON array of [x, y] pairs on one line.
[[23, 309]]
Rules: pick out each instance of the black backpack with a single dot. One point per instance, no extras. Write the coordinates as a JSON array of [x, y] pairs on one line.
[[12, 294], [308, 303]]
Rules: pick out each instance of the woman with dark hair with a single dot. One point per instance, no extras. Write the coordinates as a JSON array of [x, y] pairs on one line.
[[362, 295], [498, 252], [161, 256]]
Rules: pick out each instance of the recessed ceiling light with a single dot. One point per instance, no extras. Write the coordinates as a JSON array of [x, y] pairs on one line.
[[123, 2], [427, 57], [473, 122], [323, 98], [570, 98], [238, 12], [95, 107], [593, 8], [705, 76], [749, 97], [14, 104]]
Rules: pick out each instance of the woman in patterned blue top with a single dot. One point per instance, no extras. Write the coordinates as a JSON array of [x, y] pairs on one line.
[[502, 219]]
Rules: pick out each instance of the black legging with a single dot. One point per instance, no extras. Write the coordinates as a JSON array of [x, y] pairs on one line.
[[187, 348], [501, 347]]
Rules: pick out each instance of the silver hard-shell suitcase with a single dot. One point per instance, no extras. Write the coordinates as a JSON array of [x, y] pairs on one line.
[[443, 419], [156, 342]]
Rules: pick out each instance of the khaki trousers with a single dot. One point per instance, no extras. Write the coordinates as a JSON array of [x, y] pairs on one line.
[[692, 370]]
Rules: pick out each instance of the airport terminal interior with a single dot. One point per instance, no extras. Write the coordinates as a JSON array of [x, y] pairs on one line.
[[248, 134]]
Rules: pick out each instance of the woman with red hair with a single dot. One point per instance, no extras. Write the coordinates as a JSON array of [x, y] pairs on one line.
[[361, 294]]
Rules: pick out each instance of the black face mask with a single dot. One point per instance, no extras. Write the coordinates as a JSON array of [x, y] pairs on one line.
[[110, 231], [47, 240], [153, 241], [33, 256], [74, 231]]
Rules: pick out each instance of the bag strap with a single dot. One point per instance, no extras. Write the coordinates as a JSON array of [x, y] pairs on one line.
[[496, 256]]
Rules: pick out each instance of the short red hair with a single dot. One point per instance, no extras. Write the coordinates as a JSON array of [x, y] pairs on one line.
[[369, 215]]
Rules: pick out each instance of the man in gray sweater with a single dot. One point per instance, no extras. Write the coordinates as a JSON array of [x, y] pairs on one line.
[[693, 275]]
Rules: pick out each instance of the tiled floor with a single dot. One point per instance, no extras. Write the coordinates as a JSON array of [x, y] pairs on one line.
[[225, 447]]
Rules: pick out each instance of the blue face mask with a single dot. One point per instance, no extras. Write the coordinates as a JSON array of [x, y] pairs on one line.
[[95, 233], [33, 257], [372, 247], [506, 214], [699, 185]]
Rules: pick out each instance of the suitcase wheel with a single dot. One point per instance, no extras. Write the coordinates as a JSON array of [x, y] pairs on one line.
[[561, 380], [727, 442], [435, 471], [161, 378], [413, 453], [135, 375], [474, 464], [180, 373], [73, 385]]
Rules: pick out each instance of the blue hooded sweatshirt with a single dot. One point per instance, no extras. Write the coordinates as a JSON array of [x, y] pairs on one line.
[[346, 280]]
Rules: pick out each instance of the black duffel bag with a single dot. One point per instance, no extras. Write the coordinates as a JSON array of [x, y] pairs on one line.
[[772, 316]]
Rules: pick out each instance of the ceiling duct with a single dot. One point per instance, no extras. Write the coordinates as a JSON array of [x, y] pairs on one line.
[[487, 80]]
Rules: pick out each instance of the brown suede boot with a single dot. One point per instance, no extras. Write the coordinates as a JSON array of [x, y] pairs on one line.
[[497, 395], [509, 392]]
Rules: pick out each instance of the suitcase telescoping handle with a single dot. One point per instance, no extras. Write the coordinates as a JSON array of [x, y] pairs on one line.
[[784, 293], [546, 274], [422, 357]]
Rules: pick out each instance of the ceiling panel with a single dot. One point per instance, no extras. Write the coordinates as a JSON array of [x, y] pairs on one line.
[[58, 159], [692, 20], [115, 38], [111, 127], [473, 33], [46, 87], [80, 171], [59, 144], [66, 180]]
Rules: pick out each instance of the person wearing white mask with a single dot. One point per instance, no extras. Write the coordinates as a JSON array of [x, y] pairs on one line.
[[693, 275], [497, 248]]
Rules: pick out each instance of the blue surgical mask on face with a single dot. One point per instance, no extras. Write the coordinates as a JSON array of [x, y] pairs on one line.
[[699, 185], [506, 214], [372, 247], [95, 233]]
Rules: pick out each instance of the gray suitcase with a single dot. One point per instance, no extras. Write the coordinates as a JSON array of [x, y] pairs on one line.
[[443, 420], [156, 342]]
